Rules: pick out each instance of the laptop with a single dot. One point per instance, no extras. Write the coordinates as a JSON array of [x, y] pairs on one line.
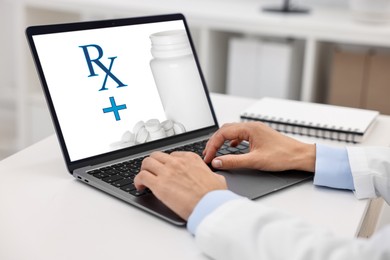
[[118, 90]]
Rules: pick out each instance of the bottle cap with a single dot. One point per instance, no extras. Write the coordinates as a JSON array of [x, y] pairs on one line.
[[170, 44]]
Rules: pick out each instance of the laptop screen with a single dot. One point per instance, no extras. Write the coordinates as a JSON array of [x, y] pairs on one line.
[[122, 86]]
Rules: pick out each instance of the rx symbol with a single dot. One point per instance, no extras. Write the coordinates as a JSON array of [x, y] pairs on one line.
[[114, 108], [97, 61]]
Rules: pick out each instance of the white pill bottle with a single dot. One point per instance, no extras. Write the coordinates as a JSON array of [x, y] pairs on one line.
[[178, 80]]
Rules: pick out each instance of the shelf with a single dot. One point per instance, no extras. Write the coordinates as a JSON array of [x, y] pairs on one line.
[[7, 134], [212, 24]]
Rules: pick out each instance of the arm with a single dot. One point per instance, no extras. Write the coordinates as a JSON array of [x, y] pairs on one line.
[[370, 168], [242, 229], [366, 170], [235, 228], [332, 170], [181, 179]]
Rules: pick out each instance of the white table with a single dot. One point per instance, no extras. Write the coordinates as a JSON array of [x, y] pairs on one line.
[[46, 214]]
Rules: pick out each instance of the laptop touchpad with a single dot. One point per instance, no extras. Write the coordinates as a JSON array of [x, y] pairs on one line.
[[253, 183]]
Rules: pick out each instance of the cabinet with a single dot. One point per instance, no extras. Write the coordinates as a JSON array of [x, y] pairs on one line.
[[378, 83], [23, 113], [264, 67], [7, 99], [360, 78]]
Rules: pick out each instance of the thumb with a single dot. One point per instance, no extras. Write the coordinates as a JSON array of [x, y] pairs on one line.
[[232, 161]]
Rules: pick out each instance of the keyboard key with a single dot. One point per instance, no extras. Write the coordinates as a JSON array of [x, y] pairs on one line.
[[223, 152], [94, 172], [121, 175], [127, 174], [242, 146], [111, 172], [118, 165], [122, 182], [135, 171], [232, 149], [128, 187], [113, 178], [138, 193], [101, 175]]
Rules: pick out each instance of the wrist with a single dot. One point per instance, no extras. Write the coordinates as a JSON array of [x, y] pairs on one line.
[[305, 158], [207, 205]]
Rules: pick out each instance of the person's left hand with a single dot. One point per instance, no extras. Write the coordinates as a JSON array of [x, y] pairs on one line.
[[179, 180]]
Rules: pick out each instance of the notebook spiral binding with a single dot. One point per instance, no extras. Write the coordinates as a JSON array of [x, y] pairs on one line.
[[306, 128]]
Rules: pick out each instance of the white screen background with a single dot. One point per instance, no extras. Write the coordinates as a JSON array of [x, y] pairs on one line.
[[78, 102]]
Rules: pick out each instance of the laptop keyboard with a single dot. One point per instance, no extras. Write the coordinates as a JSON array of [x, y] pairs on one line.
[[121, 175]]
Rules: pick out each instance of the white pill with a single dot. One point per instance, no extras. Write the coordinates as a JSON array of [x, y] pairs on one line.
[[128, 137], [116, 145], [167, 125], [138, 126], [119, 145], [157, 134], [142, 135], [170, 132], [124, 145], [178, 128], [152, 125], [132, 138]]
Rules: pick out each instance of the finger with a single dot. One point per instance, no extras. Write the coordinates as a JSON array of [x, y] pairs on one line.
[[233, 161], [153, 165], [178, 154], [145, 179], [212, 146], [229, 132], [235, 142], [160, 156], [226, 132], [232, 143]]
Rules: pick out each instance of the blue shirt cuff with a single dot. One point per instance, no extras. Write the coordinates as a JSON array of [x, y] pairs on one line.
[[332, 168], [208, 204]]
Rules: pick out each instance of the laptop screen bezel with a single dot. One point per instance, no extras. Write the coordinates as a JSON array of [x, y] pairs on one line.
[[113, 155]]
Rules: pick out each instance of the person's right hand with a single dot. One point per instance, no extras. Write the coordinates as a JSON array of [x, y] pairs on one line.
[[269, 149]]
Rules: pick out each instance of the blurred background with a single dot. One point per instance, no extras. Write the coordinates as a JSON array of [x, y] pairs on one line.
[[336, 53]]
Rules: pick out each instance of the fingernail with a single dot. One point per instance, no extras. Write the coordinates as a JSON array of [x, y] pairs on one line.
[[216, 163]]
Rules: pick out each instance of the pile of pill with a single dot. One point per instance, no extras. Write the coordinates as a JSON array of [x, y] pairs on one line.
[[150, 130]]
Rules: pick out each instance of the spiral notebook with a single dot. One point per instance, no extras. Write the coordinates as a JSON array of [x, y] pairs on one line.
[[312, 119]]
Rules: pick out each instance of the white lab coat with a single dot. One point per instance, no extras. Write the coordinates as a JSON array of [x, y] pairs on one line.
[[241, 229]]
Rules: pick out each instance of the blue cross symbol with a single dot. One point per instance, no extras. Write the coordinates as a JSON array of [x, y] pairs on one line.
[[114, 108]]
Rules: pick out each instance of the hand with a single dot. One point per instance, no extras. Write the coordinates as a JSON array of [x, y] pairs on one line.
[[179, 180], [269, 149]]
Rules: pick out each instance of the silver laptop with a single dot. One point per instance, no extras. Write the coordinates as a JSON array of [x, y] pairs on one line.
[[118, 90]]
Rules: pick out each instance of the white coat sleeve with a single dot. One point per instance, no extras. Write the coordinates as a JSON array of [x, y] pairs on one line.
[[242, 229], [370, 167]]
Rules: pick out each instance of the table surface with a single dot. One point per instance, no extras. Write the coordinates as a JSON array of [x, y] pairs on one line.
[[47, 214]]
